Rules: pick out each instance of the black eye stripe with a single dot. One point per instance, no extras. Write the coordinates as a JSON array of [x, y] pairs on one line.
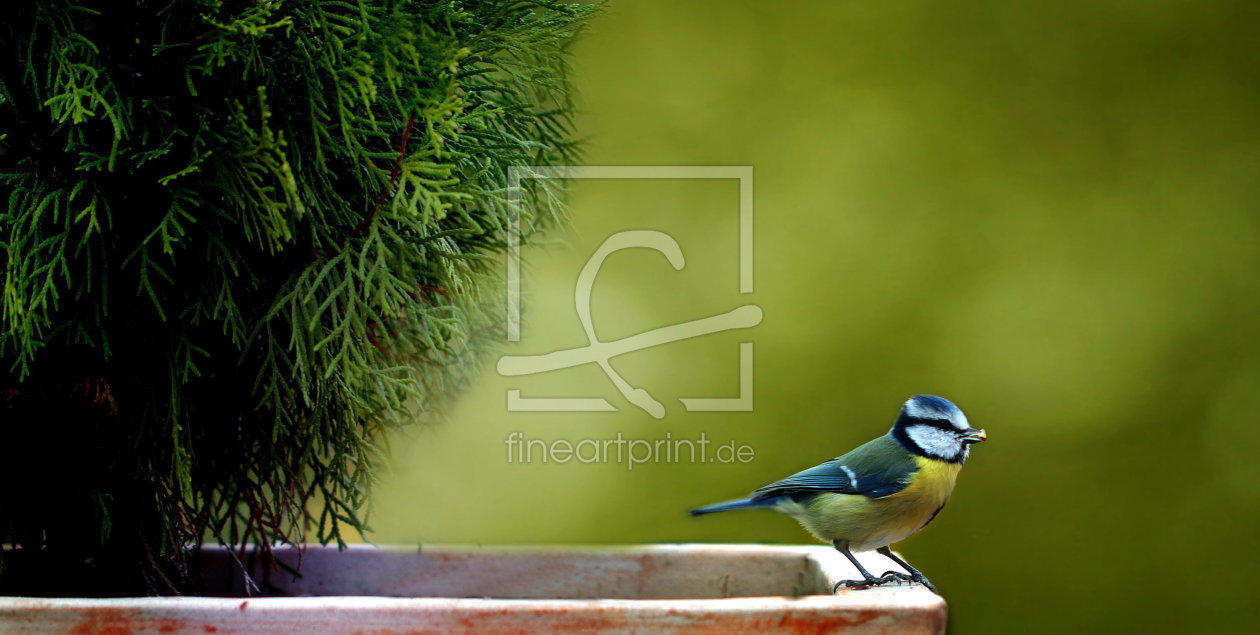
[[939, 424]]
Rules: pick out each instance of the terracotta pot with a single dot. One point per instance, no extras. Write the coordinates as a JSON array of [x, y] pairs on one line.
[[660, 588]]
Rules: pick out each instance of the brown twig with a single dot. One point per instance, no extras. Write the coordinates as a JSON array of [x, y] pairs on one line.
[[388, 190]]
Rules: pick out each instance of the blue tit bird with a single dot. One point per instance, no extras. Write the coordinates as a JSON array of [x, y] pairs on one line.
[[879, 493]]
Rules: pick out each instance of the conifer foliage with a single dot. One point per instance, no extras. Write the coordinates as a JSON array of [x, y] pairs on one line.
[[238, 240]]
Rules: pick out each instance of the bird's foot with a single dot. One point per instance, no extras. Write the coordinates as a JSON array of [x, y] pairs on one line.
[[912, 577], [909, 577], [863, 583], [922, 579]]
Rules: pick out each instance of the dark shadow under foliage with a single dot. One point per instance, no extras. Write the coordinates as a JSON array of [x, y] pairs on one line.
[[238, 240]]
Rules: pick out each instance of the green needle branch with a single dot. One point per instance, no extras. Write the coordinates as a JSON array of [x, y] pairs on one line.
[[239, 240]]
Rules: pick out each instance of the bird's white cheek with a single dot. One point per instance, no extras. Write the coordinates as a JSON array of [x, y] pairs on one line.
[[934, 441]]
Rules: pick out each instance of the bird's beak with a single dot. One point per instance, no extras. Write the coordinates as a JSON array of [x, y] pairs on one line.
[[975, 436]]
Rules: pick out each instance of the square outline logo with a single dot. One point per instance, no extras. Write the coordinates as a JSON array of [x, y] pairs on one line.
[[600, 352]]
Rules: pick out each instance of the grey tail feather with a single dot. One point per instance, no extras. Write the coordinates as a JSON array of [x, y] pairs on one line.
[[743, 503]]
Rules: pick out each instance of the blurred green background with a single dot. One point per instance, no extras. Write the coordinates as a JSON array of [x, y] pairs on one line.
[[1046, 213]]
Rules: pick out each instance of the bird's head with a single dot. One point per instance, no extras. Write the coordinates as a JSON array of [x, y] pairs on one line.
[[933, 427]]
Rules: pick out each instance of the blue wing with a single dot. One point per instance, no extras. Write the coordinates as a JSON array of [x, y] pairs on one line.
[[876, 469]]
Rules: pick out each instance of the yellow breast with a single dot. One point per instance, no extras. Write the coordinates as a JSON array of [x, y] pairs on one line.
[[869, 523]]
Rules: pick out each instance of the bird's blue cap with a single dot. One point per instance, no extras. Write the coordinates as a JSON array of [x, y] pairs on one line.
[[932, 408]]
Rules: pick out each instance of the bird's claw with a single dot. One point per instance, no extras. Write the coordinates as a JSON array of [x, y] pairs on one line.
[[866, 582], [921, 579], [888, 576], [913, 577]]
